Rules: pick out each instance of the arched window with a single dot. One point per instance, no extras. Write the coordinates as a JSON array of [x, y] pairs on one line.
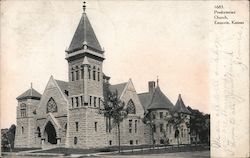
[[22, 130], [75, 140], [38, 132], [23, 109], [94, 73], [51, 105], [131, 107], [65, 127]]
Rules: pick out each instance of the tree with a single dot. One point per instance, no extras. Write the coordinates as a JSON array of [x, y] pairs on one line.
[[149, 120], [114, 109], [200, 125], [176, 119], [8, 138]]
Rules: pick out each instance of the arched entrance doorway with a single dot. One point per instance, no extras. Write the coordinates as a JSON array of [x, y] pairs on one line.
[[50, 133]]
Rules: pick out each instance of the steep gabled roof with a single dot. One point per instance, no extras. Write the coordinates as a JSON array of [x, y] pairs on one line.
[[145, 99], [30, 94], [160, 101], [119, 87], [84, 34], [63, 85], [180, 106]]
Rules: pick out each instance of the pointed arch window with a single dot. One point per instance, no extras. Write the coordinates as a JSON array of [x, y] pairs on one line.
[[38, 132], [131, 107], [51, 105]]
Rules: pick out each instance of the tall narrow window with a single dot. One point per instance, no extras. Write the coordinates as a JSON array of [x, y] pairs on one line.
[[96, 126], [153, 116], [89, 73], [77, 102], [81, 100], [161, 115], [99, 102], [22, 130], [75, 140], [82, 73], [76, 126], [130, 126], [23, 110], [135, 126], [154, 129], [98, 74], [65, 127], [72, 102], [77, 75], [90, 100], [94, 73], [38, 132], [72, 76], [94, 101], [161, 127]]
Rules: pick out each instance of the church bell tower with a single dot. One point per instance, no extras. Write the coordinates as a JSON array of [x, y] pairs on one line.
[[85, 58]]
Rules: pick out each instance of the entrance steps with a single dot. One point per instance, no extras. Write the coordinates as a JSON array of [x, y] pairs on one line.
[[48, 146]]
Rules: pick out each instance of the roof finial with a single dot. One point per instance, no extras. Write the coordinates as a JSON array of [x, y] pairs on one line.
[[31, 88], [84, 6], [157, 81]]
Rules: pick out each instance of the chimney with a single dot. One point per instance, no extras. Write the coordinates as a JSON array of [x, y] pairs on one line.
[[151, 86]]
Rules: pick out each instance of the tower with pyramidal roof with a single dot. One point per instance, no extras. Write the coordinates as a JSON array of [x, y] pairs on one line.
[[85, 59]]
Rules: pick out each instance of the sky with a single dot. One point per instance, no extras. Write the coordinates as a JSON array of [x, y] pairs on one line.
[[141, 39]]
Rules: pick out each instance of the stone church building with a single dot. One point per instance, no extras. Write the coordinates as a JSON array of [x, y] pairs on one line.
[[67, 113]]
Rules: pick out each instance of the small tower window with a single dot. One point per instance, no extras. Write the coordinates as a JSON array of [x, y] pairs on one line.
[[38, 132], [96, 126], [98, 75], [72, 102], [154, 128], [77, 102], [82, 73], [77, 75], [22, 130], [65, 127], [75, 140], [81, 100], [99, 102], [23, 110], [89, 73], [94, 101], [72, 76], [161, 115], [161, 127], [76, 126], [90, 100]]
